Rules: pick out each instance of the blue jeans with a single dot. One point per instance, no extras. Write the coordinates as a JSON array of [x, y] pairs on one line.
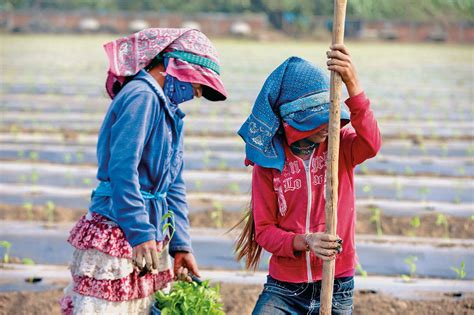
[[285, 298]]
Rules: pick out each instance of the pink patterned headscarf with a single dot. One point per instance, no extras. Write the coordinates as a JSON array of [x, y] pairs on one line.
[[128, 55]]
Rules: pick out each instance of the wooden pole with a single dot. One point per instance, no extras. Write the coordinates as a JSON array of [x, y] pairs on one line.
[[333, 158]]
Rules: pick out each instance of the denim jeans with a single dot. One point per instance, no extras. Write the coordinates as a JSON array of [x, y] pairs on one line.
[[285, 298]]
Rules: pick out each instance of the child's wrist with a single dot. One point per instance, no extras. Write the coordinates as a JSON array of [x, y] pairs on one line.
[[353, 88]]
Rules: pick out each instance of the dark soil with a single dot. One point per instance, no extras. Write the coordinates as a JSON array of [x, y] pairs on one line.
[[240, 299]]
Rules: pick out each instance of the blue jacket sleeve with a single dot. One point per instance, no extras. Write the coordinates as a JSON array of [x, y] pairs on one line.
[[135, 114], [176, 198]]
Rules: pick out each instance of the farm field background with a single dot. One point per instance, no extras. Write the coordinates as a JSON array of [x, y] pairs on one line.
[[414, 200]]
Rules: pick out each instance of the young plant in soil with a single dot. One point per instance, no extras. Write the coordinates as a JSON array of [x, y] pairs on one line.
[[28, 206], [376, 219], [460, 272], [6, 247], [198, 184], [34, 177], [398, 189], [49, 209], [423, 192], [217, 214], [234, 188], [190, 298], [415, 223], [442, 220], [367, 189], [361, 270], [410, 261]]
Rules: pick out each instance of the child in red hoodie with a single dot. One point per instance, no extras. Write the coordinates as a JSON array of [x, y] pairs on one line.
[[286, 141]]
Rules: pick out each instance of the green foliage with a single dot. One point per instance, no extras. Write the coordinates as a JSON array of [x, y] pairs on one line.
[[441, 10], [28, 206], [27, 261], [217, 214], [169, 219], [361, 270], [234, 188], [410, 261], [6, 255], [460, 272], [442, 220], [376, 218], [190, 298], [49, 209]]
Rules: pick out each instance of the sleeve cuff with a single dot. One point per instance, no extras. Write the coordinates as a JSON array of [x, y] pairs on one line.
[[138, 241], [358, 101], [175, 249], [288, 249]]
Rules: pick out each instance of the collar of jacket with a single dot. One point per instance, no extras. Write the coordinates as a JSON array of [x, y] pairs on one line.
[[146, 77]]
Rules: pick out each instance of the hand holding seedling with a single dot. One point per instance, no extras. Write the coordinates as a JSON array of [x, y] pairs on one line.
[[340, 61], [184, 265], [145, 255]]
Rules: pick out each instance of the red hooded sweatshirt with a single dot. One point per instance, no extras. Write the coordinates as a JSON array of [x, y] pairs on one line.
[[293, 201]]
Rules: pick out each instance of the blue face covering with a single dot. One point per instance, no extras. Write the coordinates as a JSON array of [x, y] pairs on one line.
[[177, 91]]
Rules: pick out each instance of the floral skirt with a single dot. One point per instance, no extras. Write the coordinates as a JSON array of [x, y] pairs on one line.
[[104, 280]]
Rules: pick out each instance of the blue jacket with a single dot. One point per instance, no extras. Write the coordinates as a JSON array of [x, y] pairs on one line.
[[140, 148]]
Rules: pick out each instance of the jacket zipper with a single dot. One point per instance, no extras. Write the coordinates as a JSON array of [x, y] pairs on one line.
[[308, 215]]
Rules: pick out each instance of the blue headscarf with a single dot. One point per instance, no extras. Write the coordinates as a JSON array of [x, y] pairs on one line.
[[297, 92]]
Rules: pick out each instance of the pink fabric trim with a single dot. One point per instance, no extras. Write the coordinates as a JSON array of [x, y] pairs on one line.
[[97, 234], [125, 289], [66, 305]]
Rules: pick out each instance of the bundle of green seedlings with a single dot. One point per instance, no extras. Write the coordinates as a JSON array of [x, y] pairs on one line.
[[190, 298]]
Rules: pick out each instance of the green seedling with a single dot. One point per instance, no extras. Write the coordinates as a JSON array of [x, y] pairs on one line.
[[234, 188], [67, 158], [461, 171], [459, 188], [218, 214], [21, 154], [361, 270], [460, 272], [87, 181], [222, 165], [28, 206], [198, 184], [207, 158], [410, 261], [50, 207], [444, 149], [6, 247], [169, 219], [409, 171], [34, 177], [376, 218], [398, 189], [415, 223], [442, 220], [27, 261], [423, 192], [367, 189], [364, 169], [80, 157], [34, 156]]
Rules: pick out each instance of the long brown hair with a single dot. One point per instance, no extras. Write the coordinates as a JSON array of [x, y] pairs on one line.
[[246, 246]]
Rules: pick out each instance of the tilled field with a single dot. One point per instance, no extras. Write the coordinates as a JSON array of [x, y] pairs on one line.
[[414, 200]]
